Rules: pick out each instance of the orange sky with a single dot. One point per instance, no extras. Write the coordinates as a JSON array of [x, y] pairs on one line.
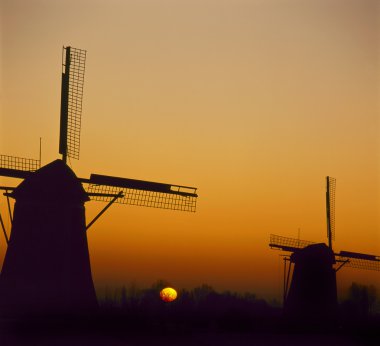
[[254, 102]]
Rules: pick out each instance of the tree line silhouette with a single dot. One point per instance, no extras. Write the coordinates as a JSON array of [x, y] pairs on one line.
[[203, 308], [200, 308]]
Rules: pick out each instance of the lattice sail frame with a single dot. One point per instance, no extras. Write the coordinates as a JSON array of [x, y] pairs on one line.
[[153, 199], [359, 263], [19, 163], [332, 189], [287, 244], [73, 69]]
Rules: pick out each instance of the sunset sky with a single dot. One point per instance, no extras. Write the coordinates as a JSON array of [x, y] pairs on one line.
[[253, 102]]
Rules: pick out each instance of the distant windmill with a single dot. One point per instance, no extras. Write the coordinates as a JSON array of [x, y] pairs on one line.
[[47, 265], [312, 291]]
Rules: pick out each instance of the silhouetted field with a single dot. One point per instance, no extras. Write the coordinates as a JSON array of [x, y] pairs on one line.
[[198, 317]]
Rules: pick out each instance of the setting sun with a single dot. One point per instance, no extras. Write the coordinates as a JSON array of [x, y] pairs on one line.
[[168, 294]]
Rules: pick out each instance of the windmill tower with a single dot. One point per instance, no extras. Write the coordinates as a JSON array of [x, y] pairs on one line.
[[310, 292], [47, 264]]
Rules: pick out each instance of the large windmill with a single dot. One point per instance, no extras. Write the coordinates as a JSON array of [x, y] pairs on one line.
[[46, 265], [312, 291]]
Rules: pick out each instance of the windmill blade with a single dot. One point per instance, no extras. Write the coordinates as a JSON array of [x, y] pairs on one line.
[[287, 244], [330, 208], [142, 193], [14, 173], [358, 260], [17, 167], [73, 68]]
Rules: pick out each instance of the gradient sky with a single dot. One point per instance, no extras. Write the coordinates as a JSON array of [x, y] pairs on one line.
[[252, 101]]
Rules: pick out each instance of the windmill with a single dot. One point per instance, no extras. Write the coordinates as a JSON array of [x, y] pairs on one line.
[[47, 266], [312, 292]]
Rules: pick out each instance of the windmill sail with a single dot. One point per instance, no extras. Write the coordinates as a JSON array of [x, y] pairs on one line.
[[17, 167], [287, 244], [142, 193], [73, 68], [358, 260], [330, 209]]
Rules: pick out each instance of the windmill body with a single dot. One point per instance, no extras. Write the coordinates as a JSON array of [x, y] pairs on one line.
[[47, 265], [312, 294]]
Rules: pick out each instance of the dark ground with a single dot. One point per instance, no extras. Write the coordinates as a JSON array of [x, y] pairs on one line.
[[114, 330]]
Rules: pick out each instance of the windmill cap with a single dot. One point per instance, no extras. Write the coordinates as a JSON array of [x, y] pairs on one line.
[[318, 253], [55, 183]]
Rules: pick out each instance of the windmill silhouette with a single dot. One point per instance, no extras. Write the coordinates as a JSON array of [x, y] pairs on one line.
[[47, 266], [312, 295]]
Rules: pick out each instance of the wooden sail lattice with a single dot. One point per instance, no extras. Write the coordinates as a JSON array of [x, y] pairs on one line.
[[287, 244], [19, 163], [359, 261], [73, 70], [142, 193], [331, 193]]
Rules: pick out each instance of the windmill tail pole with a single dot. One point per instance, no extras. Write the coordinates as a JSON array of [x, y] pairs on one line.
[[287, 280], [9, 206], [4, 231]]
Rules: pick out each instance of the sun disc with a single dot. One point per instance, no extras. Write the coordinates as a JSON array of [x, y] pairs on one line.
[[168, 294]]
